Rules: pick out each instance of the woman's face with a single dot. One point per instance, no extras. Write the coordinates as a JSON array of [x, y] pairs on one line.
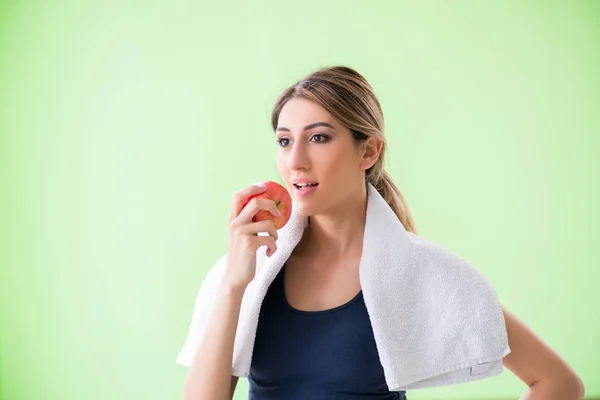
[[314, 146]]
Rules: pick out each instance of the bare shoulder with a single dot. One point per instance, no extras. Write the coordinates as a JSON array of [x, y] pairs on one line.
[[531, 359]]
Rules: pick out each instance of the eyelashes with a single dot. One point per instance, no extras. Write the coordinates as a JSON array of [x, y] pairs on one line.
[[283, 142]]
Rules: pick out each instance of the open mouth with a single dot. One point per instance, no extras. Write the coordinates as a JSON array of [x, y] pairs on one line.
[[305, 186]]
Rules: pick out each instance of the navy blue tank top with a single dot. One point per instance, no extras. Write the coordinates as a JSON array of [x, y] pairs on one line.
[[316, 355]]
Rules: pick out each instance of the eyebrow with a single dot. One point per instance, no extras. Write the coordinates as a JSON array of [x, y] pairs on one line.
[[307, 127]]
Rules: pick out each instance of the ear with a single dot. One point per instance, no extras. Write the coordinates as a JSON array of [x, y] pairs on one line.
[[370, 150]]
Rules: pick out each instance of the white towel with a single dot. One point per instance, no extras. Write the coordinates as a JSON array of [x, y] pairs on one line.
[[436, 319]]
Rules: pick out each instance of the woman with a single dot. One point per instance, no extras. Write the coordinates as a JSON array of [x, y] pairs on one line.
[[329, 128]]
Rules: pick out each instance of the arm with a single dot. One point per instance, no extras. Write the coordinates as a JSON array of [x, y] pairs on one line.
[[539, 366], [209, 376]]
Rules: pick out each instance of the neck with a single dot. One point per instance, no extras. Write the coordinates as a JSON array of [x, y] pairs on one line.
[[339, 232]]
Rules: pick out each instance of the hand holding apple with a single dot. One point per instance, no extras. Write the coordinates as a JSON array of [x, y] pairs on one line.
[[253, 210], [283, 202]]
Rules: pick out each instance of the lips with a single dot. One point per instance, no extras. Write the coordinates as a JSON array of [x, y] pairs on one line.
[[299, 181]]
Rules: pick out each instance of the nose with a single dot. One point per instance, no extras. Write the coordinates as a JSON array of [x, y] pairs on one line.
[[298, 157]]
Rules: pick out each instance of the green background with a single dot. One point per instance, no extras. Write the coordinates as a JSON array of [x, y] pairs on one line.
[[126, 127]]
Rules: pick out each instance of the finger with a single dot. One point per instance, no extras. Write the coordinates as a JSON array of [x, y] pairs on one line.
[[240, 197], [270, 252], [263, 226], [267, 241], [254, 206]]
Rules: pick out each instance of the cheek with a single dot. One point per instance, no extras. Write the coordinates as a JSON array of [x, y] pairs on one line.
[[280, 163], [331, 166], [335, 162]]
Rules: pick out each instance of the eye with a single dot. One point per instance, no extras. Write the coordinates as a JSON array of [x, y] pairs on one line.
[[282, 141], [324, 138]]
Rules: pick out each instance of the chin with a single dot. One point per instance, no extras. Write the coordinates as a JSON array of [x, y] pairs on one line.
[[306, 210]]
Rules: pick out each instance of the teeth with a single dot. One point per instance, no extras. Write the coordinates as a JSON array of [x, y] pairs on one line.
[[301, 185]]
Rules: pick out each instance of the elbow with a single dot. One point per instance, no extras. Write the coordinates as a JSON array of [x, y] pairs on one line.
[[578, 387], [572, 388], [564, 387]]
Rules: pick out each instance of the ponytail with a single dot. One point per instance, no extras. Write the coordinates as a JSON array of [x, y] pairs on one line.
[[386, 187]]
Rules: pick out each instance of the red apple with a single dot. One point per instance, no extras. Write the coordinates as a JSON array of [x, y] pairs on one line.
[[282, 200]]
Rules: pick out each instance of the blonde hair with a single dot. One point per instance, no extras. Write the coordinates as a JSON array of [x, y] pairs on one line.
[[350, 99]]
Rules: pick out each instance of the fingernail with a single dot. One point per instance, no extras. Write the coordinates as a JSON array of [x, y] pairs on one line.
[[261, 185]]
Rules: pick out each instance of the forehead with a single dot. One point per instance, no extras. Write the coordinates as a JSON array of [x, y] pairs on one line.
[[297, 113]]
